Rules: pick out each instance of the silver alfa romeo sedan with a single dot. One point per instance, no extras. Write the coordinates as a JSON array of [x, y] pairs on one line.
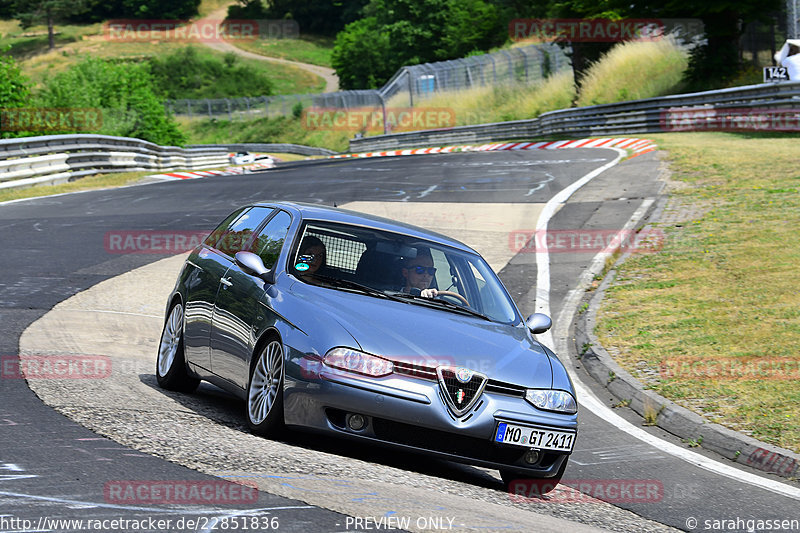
[[330, 320]]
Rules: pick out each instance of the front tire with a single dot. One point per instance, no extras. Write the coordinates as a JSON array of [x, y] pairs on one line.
[[171, 372], [265, 391]]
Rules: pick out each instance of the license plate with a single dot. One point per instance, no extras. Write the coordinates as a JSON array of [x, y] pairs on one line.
[[543, 439]]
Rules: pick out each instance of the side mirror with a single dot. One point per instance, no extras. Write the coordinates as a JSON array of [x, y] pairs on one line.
[[538, 323], [252, 265]]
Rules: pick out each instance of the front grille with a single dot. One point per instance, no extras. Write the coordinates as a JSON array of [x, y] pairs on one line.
[[417, 371], [429, 373], [501, 387], [460, 395]]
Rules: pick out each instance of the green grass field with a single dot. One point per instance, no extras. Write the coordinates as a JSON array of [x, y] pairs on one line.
[[721, 296], [307, 49]]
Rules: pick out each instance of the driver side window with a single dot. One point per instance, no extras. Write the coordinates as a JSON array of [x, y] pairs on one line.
[[270, 240]]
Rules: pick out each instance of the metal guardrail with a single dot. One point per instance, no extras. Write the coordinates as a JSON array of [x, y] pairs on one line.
[[284, 148], [55, 159], [651, 115]]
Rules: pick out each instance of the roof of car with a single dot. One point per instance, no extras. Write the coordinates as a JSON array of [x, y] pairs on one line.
[[346, 216]]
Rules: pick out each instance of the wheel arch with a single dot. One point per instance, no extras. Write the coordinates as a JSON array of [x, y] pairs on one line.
[[269, 334]]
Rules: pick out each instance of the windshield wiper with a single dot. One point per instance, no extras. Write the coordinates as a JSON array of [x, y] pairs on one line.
[[347, 284], [450, 306]]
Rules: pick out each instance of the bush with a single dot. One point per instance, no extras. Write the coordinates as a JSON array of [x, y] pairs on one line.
[[124, 93], [14, 88], [188, 73]]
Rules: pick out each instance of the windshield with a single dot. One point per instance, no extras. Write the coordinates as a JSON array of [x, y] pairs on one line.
[[403, 268]]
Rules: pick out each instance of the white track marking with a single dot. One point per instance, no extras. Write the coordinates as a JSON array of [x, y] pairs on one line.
[[543, 259], [586, 397]]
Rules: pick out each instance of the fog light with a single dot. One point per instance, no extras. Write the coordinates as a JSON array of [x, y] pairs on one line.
[[531, 457], [356, 422]]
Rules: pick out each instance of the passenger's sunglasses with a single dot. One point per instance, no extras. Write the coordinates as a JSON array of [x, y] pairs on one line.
[[419, 269]]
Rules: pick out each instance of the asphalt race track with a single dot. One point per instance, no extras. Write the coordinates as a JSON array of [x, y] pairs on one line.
[[56, 247]]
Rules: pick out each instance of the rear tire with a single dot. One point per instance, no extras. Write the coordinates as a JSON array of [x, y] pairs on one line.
[[265, 391], [171, 371], [532, 486]]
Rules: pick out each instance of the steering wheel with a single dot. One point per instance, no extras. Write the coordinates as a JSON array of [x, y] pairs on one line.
[[454, 295]]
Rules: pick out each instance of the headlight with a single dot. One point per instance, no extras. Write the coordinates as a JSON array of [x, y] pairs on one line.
[[359, 362], [552, 400]]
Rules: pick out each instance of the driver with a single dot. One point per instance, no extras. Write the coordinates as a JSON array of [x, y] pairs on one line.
[[312, 253], [418, 273]]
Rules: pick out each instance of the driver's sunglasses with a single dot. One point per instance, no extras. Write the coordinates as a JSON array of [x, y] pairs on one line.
[[419, 269]]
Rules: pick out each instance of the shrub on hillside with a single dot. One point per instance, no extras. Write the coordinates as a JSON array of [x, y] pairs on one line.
[[123, 91], [14, 88], [188, 73]]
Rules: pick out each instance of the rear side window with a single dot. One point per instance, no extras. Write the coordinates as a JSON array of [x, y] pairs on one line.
[[236, 231]]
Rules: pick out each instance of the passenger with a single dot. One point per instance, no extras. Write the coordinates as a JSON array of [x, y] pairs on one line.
[[418, 272], [312, 253]]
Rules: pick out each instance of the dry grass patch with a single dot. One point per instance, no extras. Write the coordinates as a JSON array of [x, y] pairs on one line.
[[496, 104], [722, 294], [634, 70], [100, 181]]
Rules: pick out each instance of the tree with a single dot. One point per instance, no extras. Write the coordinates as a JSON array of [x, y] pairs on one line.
[[362, 55], [326, 17], [406, 32], [717, 62], [714, 63], [158, 9], [31, 12]]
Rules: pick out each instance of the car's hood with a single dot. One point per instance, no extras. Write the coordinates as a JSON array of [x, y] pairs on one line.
[[421, 335]]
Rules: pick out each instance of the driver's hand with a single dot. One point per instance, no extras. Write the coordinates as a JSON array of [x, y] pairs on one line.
[[428, 293]]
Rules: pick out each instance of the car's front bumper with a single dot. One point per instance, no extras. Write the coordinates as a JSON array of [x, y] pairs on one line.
[[409, 413]]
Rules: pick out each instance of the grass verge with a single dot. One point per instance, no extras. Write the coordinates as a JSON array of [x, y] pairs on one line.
[[715, 315], [263, 130], [100, 181]]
